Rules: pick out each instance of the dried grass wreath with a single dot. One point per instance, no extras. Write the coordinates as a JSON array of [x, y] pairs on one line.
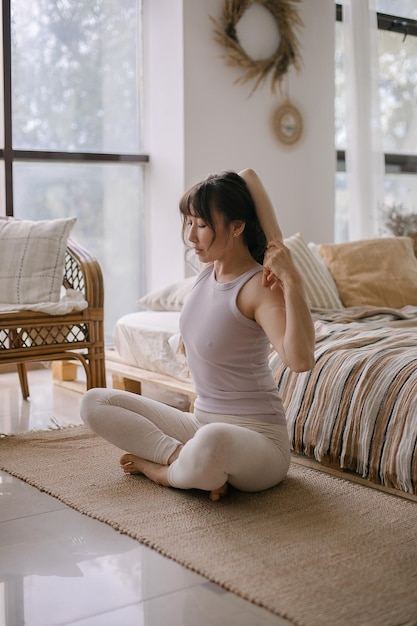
[[287, 53]]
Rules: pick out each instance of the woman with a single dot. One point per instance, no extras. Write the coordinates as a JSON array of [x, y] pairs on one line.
[[248, 296]]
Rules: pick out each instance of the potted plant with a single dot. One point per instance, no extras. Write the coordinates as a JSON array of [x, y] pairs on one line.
[[399, 221]]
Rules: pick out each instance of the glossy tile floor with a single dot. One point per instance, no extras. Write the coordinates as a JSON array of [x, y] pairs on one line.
[[60, 567]]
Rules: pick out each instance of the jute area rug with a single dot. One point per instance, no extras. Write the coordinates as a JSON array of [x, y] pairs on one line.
[[316, 549]]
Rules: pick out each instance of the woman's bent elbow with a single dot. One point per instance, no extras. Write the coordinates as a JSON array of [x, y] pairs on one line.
[[303, 365]]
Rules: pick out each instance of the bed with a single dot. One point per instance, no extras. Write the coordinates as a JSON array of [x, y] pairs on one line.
[[356, 410]]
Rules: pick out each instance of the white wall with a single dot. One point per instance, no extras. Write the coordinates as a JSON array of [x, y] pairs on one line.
[[164, 139], [199, 122]]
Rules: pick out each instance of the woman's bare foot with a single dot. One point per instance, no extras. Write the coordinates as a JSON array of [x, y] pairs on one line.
[[132, 464], [216, 494]]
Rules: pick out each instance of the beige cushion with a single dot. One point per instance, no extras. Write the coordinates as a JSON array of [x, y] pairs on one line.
[[320, 288], [32, 258], [375, 272], [169, 298]]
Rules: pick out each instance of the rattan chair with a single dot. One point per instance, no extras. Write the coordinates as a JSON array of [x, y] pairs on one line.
[[31, 336]]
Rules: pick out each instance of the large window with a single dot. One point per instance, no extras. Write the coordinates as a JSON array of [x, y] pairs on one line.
[[72, 138], [397, 54]]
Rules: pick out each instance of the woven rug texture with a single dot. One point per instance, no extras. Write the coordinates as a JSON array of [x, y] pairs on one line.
[[316, 549]]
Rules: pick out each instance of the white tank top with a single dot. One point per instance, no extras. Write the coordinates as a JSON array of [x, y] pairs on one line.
[[227, 352]]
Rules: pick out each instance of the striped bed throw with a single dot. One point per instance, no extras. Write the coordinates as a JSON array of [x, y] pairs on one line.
[[357, 408]]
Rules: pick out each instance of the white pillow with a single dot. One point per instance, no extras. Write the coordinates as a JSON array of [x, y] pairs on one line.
[[321, 290], [169, 298], [32, 259]]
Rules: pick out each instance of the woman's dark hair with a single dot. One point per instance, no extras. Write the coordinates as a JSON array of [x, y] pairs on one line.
[[230, 196]]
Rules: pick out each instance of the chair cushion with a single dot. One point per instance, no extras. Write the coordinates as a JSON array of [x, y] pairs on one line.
[[32, 259]]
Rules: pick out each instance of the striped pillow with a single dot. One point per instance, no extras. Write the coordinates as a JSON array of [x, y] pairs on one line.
[[321, 290]]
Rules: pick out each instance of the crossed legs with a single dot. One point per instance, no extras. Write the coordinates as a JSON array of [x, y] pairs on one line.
[[176, 449]]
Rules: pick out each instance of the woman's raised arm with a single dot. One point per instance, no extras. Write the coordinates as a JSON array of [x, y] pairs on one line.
[[264, 208]]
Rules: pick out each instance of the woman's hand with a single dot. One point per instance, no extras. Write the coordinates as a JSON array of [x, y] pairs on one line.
[[278, 265]]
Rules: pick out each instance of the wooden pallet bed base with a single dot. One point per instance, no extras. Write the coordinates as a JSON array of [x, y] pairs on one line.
[[130, 378]]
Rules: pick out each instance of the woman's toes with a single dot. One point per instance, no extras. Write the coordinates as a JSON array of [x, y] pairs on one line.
[[126, 458], [128, 465]]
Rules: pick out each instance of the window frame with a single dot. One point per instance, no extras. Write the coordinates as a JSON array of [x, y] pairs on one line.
[[394, 163], [9, 155]]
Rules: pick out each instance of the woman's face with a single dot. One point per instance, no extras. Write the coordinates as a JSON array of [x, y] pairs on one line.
[[209, 245]]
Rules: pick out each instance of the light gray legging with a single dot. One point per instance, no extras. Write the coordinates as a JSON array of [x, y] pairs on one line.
[[249, 455]]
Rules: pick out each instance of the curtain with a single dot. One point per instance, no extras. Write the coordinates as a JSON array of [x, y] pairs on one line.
[[365, 166]]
